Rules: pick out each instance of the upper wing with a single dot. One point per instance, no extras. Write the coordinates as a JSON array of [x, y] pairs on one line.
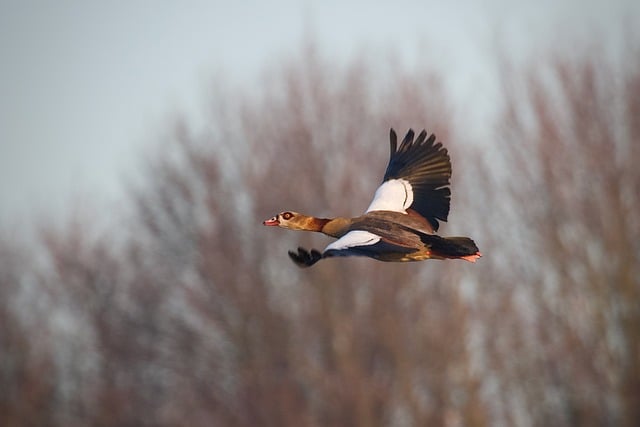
[[417, 177]]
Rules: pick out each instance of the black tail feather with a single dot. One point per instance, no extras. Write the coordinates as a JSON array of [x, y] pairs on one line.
[[450, 247]]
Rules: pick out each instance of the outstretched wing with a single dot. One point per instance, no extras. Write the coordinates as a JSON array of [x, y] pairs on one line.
[[417, 178], [354, 243]]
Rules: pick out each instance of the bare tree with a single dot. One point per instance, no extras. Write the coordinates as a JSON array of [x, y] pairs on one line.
[[333, 346], [562, 202], [27, 390]]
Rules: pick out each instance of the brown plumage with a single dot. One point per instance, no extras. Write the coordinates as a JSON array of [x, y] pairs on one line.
[[400, 223]]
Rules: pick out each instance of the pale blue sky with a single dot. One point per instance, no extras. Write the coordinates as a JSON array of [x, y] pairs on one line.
[[86, 86]]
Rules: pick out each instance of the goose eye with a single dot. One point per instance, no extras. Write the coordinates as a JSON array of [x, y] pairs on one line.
[[287, 215]]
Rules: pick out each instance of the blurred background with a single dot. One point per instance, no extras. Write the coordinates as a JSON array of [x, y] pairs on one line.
[[141, 146]]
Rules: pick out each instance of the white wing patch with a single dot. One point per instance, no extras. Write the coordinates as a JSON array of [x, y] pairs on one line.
[[352, 239], [393, 195]]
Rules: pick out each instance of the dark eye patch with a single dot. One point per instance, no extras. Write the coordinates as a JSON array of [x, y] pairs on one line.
[[287, 215]]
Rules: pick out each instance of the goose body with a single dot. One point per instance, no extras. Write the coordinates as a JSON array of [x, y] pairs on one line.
[[401, 221]]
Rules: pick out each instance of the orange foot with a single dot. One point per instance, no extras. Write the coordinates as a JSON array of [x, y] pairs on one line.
[[471, 258]]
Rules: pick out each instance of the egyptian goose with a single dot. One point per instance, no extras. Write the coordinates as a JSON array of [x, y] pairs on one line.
[[400, 222]]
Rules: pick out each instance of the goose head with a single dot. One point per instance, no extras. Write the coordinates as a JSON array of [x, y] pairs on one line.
[[290, 220]]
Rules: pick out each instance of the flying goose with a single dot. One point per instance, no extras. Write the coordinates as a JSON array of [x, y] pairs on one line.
[[401, 221]]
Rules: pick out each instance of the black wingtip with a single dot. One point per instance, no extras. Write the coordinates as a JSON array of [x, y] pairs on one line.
[[425, 163], [305, 258], [421, 138], [393, 141], [408, 139]]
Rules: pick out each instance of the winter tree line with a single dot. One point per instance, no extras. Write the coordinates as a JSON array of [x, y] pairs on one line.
[[189, 312]]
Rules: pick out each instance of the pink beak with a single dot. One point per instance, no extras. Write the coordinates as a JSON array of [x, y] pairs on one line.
[[271, 222]]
